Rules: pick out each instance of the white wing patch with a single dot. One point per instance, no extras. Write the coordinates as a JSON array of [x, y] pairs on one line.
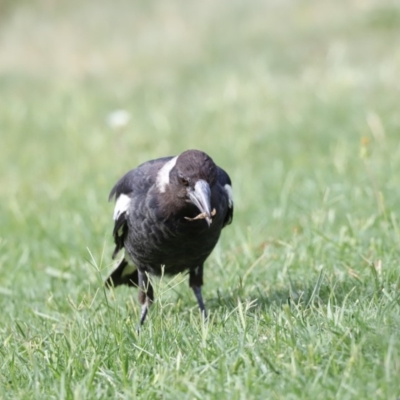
[[228, 189], [121, 205], [163, 174]]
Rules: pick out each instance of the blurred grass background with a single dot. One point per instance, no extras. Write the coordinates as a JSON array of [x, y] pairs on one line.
[[297, 100]]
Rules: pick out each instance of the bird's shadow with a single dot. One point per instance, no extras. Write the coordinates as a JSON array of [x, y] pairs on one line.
[[301, 294]]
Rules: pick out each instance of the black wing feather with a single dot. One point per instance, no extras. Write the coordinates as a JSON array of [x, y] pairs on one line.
[[224, 179], [118, 278], [120, 232], [138, 180], [133, 183]]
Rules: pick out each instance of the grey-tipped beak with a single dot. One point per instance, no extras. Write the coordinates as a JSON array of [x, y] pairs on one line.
[[201, 198]]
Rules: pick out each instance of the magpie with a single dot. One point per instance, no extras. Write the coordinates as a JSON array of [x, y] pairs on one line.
[[168, 216]]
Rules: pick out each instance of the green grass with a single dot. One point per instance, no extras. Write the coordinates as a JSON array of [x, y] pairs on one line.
[[299, 101]]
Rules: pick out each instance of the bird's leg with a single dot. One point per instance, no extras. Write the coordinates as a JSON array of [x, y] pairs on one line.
[[146, 295], [196, 282]]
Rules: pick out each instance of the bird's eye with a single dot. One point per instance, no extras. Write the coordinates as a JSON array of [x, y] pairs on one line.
[[182, 180]]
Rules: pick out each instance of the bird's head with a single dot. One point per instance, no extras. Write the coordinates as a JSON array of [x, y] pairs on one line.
[[188, 178]]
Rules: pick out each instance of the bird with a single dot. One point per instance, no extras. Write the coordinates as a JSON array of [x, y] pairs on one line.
[[168, 217]]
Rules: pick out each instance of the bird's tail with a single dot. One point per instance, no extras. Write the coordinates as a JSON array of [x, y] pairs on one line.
[[124, 274]]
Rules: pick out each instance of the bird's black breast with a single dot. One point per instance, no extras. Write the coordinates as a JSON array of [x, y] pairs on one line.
[[155, 240]]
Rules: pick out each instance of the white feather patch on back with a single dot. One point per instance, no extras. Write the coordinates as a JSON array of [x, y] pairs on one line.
[[121, 205], [163, 174], [228, 189]]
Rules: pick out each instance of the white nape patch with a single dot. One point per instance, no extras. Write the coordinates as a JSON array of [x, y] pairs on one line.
[[163, 174], [228, 189], [121, 205]]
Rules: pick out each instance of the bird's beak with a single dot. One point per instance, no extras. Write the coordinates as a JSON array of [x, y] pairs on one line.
[[201, 198]]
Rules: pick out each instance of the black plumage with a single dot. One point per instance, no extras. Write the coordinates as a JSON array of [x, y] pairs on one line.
[[169, 214]]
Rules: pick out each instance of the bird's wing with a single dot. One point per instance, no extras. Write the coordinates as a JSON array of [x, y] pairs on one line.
[[138, 180], [225, 182], [134, 183]]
